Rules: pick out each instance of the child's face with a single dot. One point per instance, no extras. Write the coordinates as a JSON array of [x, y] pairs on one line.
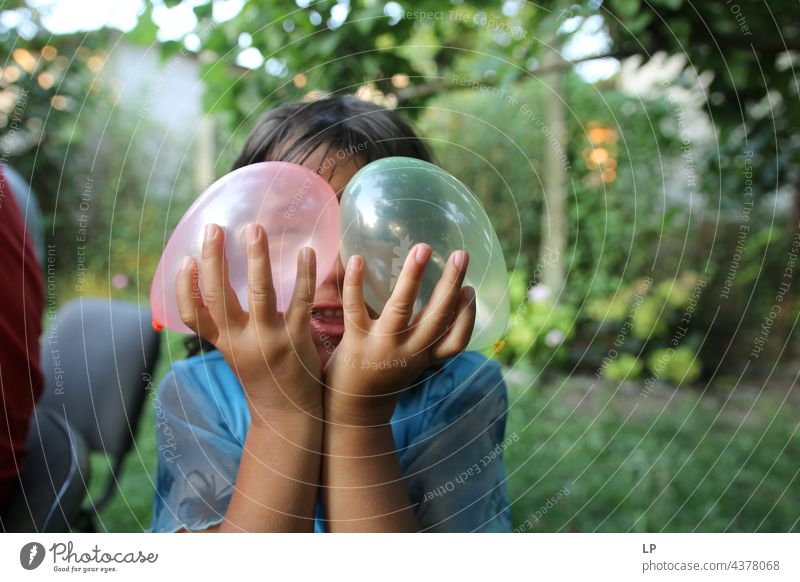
[[327, 321]]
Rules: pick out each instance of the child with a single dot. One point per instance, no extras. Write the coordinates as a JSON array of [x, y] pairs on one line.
[[328, 417]]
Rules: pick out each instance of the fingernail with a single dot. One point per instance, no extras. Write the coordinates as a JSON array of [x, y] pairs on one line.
[[458, 259], [422, 253], [469, 294], [211, 231], [250, 233], [186, 262], [354, 264]]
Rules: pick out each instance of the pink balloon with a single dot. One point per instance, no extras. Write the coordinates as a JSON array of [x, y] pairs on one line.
[[295, 206]]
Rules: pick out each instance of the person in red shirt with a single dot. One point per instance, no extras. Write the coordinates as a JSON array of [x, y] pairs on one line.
[[21, 310]]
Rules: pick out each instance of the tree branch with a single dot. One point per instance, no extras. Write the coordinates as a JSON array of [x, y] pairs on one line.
[[439, 85]]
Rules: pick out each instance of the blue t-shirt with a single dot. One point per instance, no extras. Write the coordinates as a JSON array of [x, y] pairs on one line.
[[448, 429]]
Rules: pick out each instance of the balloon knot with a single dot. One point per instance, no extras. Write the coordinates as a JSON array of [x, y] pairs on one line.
[[499, 346], [157, 327]]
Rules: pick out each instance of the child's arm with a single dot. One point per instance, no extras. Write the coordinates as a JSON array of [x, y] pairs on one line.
[[363, 488], [274, 358]]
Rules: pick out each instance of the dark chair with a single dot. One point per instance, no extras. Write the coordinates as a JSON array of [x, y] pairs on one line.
[[53, 484], [98, 357]]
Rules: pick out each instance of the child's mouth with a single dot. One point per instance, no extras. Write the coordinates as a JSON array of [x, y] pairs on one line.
[[328, 320]]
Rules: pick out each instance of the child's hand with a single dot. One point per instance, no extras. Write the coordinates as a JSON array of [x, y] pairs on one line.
[[272, 353], [378, 359]]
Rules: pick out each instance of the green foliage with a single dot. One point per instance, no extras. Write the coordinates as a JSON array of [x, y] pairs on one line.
[[652, 322], [732, 40], [430, 40], [539, 330], [495, 138], [107, 209], [624, 367], [645, 322], [678, 366], [40, 127], [617, 306]]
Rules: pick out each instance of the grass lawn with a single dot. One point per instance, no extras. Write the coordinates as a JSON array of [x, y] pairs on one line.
[[604, 457], [593, 456]]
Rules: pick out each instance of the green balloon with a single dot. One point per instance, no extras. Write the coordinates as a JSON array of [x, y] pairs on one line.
[[394, 203]]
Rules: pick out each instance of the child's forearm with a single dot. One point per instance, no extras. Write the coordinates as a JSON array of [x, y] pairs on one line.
[[276, 487], [362, 485]]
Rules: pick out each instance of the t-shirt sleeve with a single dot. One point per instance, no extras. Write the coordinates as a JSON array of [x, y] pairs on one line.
[[198, 456], [454, 466]]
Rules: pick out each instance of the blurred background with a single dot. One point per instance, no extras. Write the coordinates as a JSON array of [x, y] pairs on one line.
[[638, 160]]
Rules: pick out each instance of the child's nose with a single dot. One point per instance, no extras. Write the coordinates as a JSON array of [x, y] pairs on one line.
[[336, 276]]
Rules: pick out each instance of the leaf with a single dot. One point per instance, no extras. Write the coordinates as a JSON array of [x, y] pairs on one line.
[[671, 4], [203, 11], [639, 22], [145, 30], [169, 48], [326, 43], [681, 30], [626, 8]]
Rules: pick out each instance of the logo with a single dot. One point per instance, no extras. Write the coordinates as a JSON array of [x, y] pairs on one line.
[[31, 555]]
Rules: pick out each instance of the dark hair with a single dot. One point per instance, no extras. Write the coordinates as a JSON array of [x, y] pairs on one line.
[[291, 132]]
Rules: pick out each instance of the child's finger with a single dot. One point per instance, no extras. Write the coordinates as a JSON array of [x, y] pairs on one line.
[[356, 317], [222, 303], [459, 333], [305, 284], [400, 306], [437, 315], [192, 310], [261, 290]]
